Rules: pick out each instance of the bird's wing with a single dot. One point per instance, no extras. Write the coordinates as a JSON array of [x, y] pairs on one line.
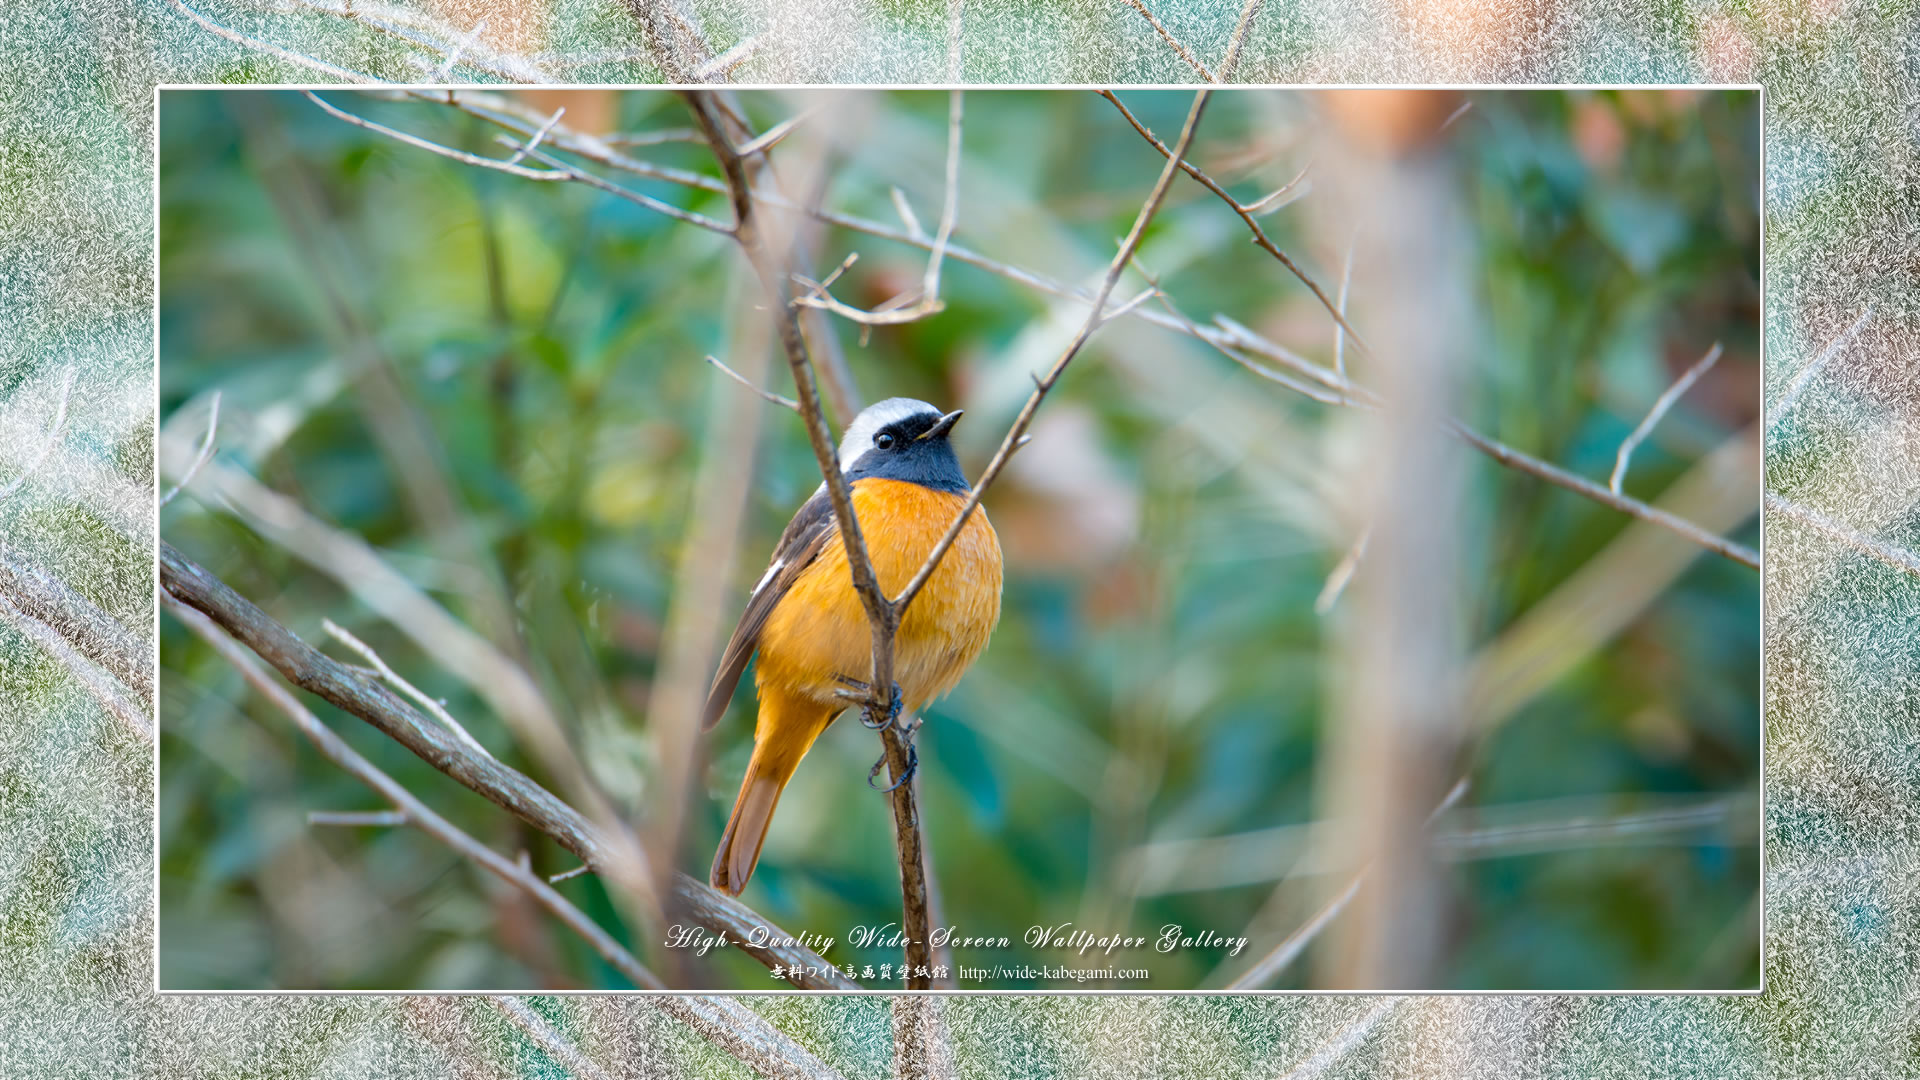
[[805, 537]]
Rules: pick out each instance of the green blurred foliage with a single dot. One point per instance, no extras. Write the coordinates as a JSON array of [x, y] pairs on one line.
[[1159, 674]]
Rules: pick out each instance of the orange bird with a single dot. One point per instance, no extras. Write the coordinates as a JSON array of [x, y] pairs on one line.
[[808, 625]]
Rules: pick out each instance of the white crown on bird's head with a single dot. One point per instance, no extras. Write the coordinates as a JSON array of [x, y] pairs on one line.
[[859, 437]]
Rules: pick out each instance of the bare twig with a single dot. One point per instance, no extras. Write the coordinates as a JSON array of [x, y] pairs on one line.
[[1232, 60], [1660, 406], [547, 1037], [1342, 1042], [1792, 393], [417, 813], [533, 143], [1340, 332], [772, 137], [1553, 474], [1095, 319], [453, 54], [434, 708], [1283, 195], [953, 40], [358, 692], [783, 402], [55, 431], [732, 1026], [200, 456], [423, 31], [1181, 50], [1342, 574], [465, 158], [928, 302], [732, 58], [1269, 967], [1246, 215], [1896, 557], [254, 43]]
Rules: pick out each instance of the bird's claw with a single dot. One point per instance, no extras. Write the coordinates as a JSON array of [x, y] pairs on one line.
[[913, 765], [864, 693]]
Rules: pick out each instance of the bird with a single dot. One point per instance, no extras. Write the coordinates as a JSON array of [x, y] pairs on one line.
[[810, 630]]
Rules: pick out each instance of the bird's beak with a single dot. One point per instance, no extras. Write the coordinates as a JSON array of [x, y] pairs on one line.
[[942, 426]]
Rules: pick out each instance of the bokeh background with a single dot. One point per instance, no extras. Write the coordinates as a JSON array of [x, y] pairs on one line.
[[1139, 745]]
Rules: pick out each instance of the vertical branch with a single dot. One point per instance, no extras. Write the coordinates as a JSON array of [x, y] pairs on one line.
[[1390, 752]]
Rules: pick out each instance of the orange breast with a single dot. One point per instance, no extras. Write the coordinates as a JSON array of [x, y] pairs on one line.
[[819, 629]]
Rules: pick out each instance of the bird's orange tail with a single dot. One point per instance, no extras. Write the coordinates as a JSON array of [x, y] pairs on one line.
[[784, 734]]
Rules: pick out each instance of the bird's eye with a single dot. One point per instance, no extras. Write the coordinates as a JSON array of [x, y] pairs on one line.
[[883, 440]]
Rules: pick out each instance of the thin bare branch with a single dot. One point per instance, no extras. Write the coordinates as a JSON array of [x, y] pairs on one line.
[[1792, 393], [569, 172], [1246, 215], [1269, 967], [534, 143], [895, 313], [1181, 50], [732, 58], [429, 145], [1553, 474], [1232, 60], [547, 1037], [1342, 574], [268, 47], [55, 431], [1456, 114], [881, 615], [423, 31], [1660, 406], [771, 138], [335, 749], [953, 40], [1284, 195], [783, 402], [434, 708], [1342, 1042], [1340, 332], [732, 1026], [1095, 319], [1897, 557], [445, 73], [200, 456]]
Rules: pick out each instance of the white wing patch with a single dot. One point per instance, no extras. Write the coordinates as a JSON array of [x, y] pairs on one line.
[[768, 576]]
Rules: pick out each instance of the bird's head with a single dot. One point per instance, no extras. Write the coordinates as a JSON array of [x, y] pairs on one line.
[[903, 439]]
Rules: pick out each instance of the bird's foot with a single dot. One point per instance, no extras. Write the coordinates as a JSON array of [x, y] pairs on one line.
[[862, 692], [913, 766]]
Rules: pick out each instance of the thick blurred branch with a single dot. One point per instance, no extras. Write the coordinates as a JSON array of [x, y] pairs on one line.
[[356, 692], [91, 632]]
